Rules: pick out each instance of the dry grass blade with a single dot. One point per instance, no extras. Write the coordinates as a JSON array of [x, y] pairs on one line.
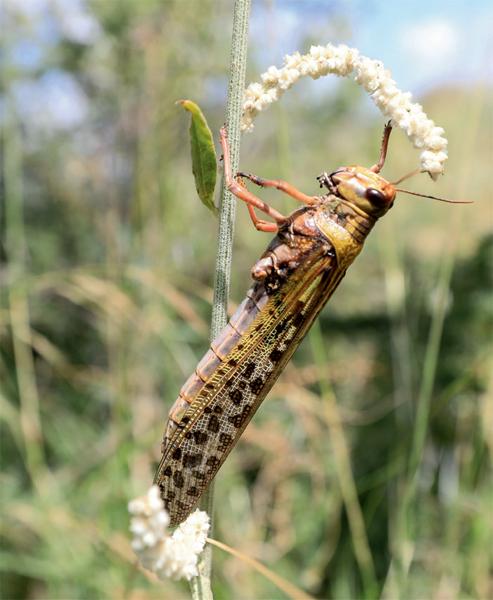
[[288, 588]]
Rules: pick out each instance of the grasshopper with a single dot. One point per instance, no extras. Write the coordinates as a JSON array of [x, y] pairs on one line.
[[293, 279]]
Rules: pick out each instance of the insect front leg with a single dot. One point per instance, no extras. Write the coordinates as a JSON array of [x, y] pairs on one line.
[[240, 191], [282, 186], [383, 148]]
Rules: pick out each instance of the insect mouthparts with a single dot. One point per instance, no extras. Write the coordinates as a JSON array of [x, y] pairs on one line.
[[323, 180], [326, 180]]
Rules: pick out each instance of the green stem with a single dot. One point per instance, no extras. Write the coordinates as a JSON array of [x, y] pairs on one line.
[[201, 585], [343, 467], [18, 302], [430, 366], [406, 520]]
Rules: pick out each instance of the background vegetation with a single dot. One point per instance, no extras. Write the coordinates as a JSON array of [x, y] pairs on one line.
[[107, 259]]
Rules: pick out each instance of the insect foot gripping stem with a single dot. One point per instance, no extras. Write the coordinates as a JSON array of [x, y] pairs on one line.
[[239, 190]]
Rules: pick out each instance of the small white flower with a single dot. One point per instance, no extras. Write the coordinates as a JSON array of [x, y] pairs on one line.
[[168, 555], [292, 61], [372, 76], [270, 76]]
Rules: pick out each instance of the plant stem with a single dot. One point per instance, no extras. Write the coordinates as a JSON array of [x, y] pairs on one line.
[[408, 511], [18, 302], [291, 591], [201, 585], [343, 467]]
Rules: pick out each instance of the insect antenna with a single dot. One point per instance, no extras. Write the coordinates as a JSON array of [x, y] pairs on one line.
[[435, 197], [411, 174]]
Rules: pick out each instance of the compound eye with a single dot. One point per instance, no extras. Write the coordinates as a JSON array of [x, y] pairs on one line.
[[375, 196]]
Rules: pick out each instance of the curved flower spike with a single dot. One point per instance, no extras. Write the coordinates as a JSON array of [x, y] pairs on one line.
[[372, 76]]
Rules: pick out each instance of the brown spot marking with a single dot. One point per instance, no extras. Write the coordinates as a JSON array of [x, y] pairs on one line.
[[236, 420], [228, 383], [236, 396], [200, 437], [256, 385], [199, 475], [298, 319], [188, 435], [176, 454], [239, 419], [249, 369], [240, 347], [280, 328], [191, 460], [207, 410], [221, 372], [218, 410], [185, 420], [275, 355], [232, 362], [213, 462], [209, 386], [193, 491], [178, 479], [171, 496], [225, 441], [213, 424], [242, 384], [167, 472]]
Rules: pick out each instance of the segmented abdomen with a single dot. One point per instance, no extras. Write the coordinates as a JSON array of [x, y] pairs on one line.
[[218, 352]]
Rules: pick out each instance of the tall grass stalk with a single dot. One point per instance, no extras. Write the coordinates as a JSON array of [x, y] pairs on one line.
[[343, 467], [406, 517], [29, 413], [291, 591], [201, 585]]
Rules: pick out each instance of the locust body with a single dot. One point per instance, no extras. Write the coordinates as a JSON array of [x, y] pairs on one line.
[[293, 279]]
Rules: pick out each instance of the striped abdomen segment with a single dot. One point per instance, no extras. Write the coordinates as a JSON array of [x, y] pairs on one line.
[[218, 352]]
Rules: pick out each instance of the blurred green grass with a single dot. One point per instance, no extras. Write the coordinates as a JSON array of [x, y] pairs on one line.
[[108, 259]]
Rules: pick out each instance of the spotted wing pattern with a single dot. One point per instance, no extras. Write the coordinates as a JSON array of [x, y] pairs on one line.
[[218, 401]]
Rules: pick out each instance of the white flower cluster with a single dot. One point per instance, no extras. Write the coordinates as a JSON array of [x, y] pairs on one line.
[[372, 76], [166, 555]]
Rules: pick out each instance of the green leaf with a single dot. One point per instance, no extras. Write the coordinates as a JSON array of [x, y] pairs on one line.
[[204, 161]]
